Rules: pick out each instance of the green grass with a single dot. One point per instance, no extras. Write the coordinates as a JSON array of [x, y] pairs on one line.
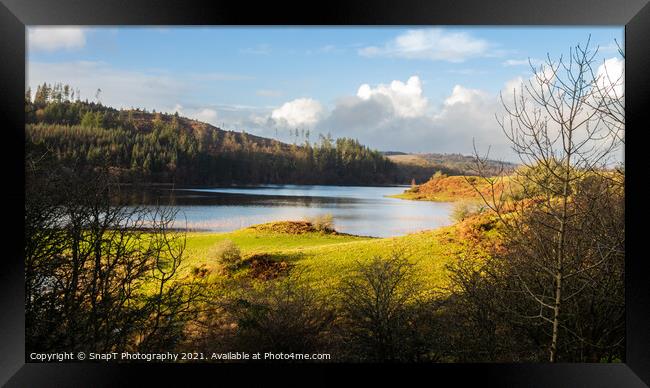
[[324, 259]]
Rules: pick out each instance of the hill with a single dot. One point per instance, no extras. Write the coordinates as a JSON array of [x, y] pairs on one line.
[[141, 146], [422, 166]]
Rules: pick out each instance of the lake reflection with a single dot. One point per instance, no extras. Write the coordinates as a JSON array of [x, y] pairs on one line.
[[357, 210]]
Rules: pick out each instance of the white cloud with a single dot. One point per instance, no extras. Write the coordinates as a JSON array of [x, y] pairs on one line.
[[470, 113], [301, 111], [448, 126], [261, 120], [207, 115], [512, 88], [544, 81], [461, 95], [522, 62], [513, 84], [405, 98], [610, 77], [255, 120], [433, 44], [539, 82], [55, 38]]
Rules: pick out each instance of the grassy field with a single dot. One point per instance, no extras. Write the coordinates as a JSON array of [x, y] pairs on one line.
[[325, 258]]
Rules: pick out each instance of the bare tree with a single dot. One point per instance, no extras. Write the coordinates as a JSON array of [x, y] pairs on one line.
[[99, 276], [557, 124], [610, 94]]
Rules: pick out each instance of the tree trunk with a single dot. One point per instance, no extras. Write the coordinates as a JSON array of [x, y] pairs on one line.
[[560, 251], [556, 316]]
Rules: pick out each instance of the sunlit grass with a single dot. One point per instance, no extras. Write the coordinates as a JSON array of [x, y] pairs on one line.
[[325, 259]]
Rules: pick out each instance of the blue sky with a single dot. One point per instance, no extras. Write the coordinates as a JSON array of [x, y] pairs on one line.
[[260, 79]]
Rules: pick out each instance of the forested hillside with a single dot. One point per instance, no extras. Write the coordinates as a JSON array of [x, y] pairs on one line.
[[156, 147]]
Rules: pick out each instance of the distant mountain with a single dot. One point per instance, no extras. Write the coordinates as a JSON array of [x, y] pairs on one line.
[[422, 166]]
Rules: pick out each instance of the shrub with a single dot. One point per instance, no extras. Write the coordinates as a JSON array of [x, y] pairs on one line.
[[439, 175], [322, 223], [200, 272], [463, 210], [286, 316], [386, 314], [228, 254]]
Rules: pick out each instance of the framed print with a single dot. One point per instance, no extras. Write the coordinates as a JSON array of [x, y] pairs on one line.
[[392, 189]]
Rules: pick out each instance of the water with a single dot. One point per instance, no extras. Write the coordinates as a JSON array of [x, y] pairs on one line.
[[356, 210]]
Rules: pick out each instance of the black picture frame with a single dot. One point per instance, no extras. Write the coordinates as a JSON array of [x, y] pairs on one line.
[[633, 14]]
